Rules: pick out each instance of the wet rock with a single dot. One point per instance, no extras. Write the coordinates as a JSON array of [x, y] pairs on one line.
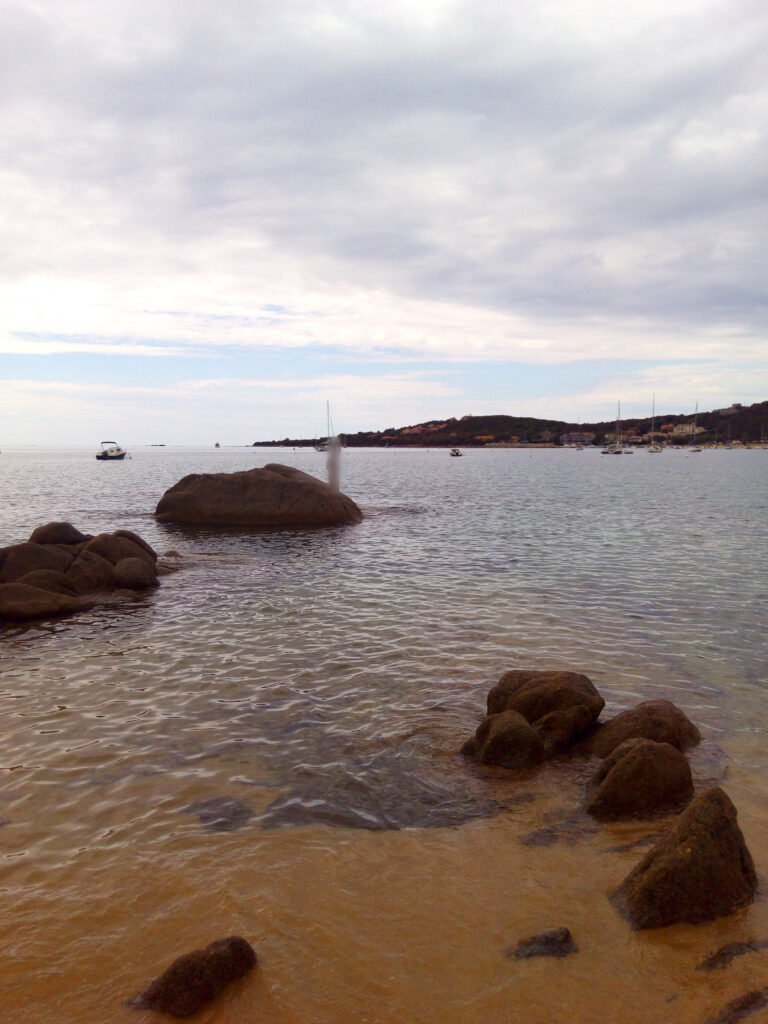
[[741, 1007], [221, 813], [135, 574], [22, 603], [537, 694], [115, 547], [273, 496], [722, 957], [195, 979], [699, 871], [57, 533], [555, 942], [59, 566], [505, 739], [658, 720], [134, 538], [90, 573], [19, 559], [640, 779], [559, 729], [49, 579]]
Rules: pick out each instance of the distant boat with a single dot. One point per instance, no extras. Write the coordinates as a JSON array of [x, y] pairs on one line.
[[654, 447], [616, 448], [695, 447], [322, 446], [110, 452], [456, 453]]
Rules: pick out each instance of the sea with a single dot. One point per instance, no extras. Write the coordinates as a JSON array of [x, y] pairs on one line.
[[268, 744]]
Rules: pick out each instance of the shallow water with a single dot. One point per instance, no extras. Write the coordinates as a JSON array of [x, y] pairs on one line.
[[267, 745]]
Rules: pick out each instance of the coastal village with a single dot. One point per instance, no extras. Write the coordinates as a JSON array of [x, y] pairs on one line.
[[736, 426]]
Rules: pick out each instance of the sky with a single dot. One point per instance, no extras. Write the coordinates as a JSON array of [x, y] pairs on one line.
[[217, 217]]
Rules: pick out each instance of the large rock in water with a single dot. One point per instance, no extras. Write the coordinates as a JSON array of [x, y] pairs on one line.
[[273, 496], [640, 779], [196, 978], [658, 720], [700, 871]]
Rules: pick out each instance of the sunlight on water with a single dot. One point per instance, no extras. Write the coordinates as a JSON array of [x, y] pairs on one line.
[[268, 744]]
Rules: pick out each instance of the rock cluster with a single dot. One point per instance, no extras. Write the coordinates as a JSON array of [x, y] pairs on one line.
[[702, 868], [270, 497], [195, 978], [556, 707], [58, 569]]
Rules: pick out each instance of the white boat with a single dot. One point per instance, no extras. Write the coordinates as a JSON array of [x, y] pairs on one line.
[[456, 453], [654, 447], [110, 452], [616, 448]]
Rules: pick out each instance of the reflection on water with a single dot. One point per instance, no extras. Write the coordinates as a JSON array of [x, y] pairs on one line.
[[268, 744]]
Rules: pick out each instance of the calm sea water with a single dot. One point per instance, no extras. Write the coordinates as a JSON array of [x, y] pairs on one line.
[[267, 745]]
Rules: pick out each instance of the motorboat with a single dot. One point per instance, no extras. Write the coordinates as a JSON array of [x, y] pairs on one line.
[[456, 453], [110, 452]]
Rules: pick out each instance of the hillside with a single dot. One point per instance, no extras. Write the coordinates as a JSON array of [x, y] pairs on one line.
[[744, 424]]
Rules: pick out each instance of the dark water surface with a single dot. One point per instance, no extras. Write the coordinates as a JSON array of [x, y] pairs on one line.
[[268, 743]]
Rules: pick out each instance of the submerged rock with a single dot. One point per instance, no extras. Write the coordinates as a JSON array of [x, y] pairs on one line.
[[741, 1007], [221, 813], [555, 942], [273, 496], [658, 720], [640, 779], [196, 978], [699, 871], [506, 739], [722, 957]]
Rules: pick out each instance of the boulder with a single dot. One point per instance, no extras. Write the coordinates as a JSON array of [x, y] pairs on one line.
[[115, 548], [555, 942], [699, 871], [19, 559], [20, 603], [57, 533], [49, 579], [640, 779], [90, 573], [193, 980], [136, 539], [273, 496], [536, 695], [505, 739], [135, 574], [658, 720], [559, 729]]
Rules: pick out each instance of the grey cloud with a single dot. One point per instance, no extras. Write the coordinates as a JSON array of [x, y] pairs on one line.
[[486, 158]]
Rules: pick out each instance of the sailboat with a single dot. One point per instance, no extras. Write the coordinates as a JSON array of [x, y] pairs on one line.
[[654, 447], [695, 447], [616, 448], [322, 446]]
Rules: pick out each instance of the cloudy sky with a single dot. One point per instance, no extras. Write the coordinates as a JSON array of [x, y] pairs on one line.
[[215, 216]]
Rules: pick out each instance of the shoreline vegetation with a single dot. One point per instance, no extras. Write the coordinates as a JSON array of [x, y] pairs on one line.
[[736, 425]]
